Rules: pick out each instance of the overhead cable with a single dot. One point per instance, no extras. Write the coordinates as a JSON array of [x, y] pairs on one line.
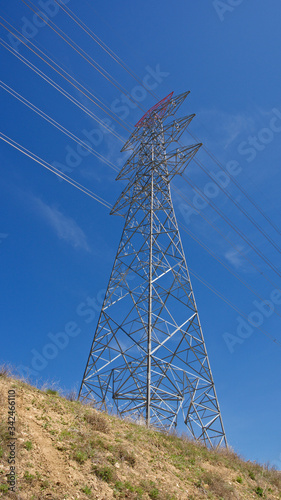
[[103, 45], [238, 205], [53, 84], [54, 170], [95, 100], [96, 118], [235, 247], [238, 185], [60, 127], [210, 287], [82, 53], [234, 227]]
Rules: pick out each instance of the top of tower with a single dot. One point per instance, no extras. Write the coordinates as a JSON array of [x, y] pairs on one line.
[[156, 110]]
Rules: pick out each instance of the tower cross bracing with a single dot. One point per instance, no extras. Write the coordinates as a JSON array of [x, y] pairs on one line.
[[148, 359]]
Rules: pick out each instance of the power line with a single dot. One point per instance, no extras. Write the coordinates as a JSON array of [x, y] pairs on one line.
[[227, 240], [54, 170], [210, 287], [242, 210], [206, 248], [96, 118], [51, 82], [238, 185], [99, 103], [233, 226], [53, 122], [80, 51], [105, 47]]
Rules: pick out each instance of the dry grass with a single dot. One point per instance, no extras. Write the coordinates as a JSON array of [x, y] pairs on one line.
[[217, 486], [96, 421], [6, 371], [71, 395], [124, 455]]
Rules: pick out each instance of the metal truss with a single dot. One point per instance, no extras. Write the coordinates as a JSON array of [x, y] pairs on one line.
[[148, 359]]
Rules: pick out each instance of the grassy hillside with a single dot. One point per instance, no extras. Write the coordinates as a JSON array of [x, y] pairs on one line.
[[66, 450]]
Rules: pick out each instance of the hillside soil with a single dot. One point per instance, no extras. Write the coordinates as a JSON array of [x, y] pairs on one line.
[[67, 450]]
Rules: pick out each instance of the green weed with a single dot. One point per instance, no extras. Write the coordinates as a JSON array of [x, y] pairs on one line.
[[80, 456], [154, 493], [28, 445], [51, 392], [28, 476], [87, 490]]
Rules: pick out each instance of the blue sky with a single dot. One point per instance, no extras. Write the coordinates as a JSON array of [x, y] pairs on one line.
[[57, 245]]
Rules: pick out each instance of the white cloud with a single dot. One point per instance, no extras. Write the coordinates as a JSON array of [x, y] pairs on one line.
[[220, 129], [235, 258], [64, 226]]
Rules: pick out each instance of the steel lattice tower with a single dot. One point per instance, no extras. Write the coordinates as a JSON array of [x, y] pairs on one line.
[[148, 358]]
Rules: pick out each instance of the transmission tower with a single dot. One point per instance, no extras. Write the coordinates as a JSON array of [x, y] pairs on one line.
[[148, 359]]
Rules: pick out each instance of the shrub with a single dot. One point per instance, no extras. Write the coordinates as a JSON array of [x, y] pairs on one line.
[[239, 479], [105, 473], [126, 456], [217, 485]]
